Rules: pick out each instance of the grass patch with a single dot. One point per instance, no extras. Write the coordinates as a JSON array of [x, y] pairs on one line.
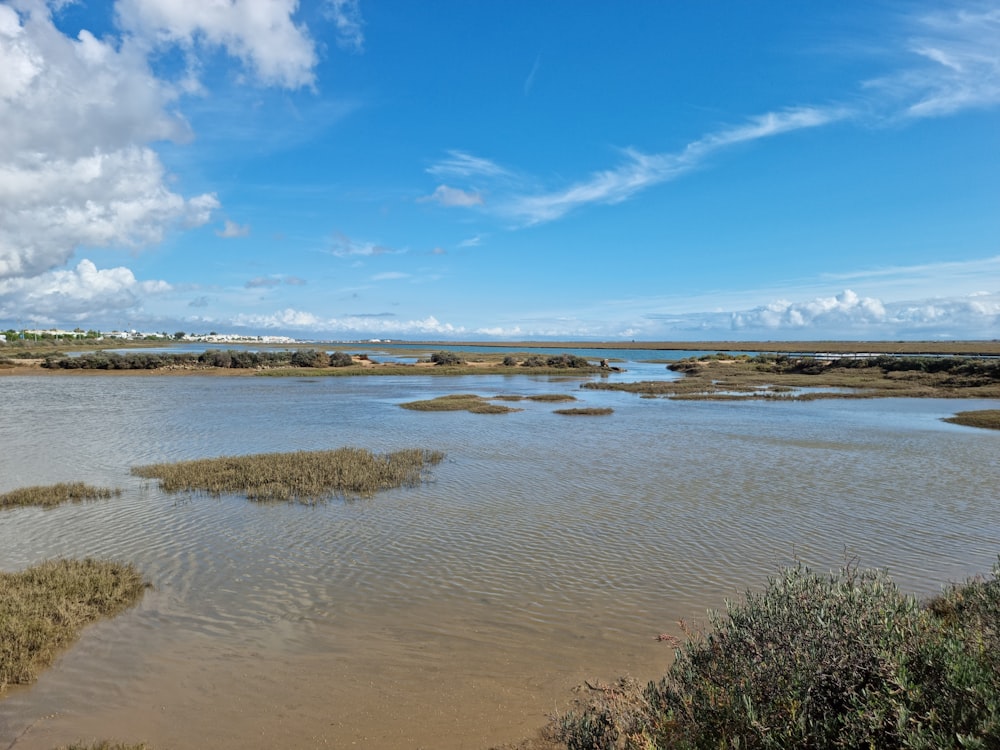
[[104, 745], [44, 608], [47, 496], [843, 660], [587, 411], [459, 402], [987, 418], [301, 476]]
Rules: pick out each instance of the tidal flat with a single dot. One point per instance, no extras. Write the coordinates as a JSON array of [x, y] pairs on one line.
[[462, 611]]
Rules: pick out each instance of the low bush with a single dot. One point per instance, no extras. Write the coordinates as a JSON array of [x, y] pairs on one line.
[[341, 359], [817, 661], [446, 358]]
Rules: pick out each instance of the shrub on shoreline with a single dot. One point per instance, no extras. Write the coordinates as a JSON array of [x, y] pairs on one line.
[[837, 661]]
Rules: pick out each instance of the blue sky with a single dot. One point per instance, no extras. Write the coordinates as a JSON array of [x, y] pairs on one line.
[[510, 169]]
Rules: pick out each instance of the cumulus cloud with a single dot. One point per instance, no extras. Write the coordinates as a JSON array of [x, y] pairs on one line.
[[449, 196], [849, 315], [846, 308], [75, 294], [50, 206], [262, 34], [291, 319], [92, 184]]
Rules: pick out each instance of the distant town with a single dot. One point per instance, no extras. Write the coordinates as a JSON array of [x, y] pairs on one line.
[[213, 337]]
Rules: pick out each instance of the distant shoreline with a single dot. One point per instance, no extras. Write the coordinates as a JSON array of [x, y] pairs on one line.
[[967, 348]]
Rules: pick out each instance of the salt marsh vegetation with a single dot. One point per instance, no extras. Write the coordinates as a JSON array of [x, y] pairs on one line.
[[300, 476], [985, 418], [459, 402], [44, 608], [47, 496]]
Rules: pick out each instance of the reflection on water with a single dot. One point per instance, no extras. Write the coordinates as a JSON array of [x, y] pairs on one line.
[[459, 613]]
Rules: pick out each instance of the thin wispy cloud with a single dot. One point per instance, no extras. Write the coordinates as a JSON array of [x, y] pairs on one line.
[[529, 82], [958, 66], [642, 171], [346, 15], [462, 164]]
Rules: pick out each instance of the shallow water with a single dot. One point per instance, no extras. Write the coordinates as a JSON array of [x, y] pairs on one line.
[[545, 549]]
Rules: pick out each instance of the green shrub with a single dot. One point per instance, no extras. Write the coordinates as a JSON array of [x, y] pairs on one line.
[[818, 661], [446, 358], [341, 359]]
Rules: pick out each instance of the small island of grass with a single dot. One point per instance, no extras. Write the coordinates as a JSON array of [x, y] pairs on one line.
[[586, 411], [301, 476], [459, 402], [985, 418], [47, 496], [44, 608]]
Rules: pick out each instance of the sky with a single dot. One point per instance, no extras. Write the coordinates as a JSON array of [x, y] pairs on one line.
[[502, 169]]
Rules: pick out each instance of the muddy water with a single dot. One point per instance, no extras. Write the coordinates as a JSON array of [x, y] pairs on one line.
[[545, 550]]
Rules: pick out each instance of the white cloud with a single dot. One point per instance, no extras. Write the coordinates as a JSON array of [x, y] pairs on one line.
[[291, 319], [958, 67], [262, 34], [449, 196], [846, 309], [347, 17], [90, 184], [390, 276], [51, 206], [81, 293], [642, 171], [232, 229], [848, 315]]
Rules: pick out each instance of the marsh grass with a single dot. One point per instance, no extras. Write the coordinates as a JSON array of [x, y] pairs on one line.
[[43, 609], [843, 660], [986, 418], [301, 476], [542, 397], [104, 745], [47, 496], [459, 402], [587, 411]]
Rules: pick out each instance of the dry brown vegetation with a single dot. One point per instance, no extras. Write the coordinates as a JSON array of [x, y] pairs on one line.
[[104, 745], [986, 418], [43, 609], [55, 494], [589, 411], [301, 476]]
